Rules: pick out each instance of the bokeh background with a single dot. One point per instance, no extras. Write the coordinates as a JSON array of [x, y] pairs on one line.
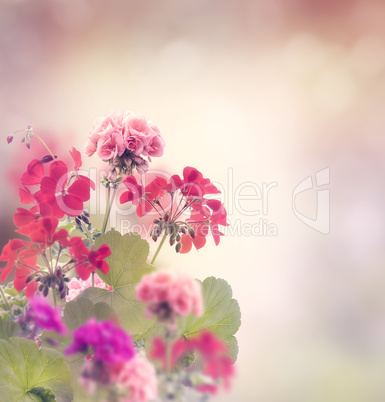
[[259, 91]]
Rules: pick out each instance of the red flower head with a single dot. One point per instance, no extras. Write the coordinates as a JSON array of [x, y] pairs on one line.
[[88, 260], [213, 351]]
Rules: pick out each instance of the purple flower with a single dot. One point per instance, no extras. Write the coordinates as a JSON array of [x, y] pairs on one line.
[[110, 344], [44, 316]]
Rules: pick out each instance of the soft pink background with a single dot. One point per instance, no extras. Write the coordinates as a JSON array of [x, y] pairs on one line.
[[272, 90]]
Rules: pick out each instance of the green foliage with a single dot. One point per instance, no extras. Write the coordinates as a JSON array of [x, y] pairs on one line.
[[80, 310], [127, 266], [221, 316], [43, 394], [8, 327], [24, 368]]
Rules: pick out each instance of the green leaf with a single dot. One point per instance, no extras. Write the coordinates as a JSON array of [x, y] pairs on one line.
[[24, 367], [221, 316], [8, 327], [44, 394], [127, 266], [77, 312]]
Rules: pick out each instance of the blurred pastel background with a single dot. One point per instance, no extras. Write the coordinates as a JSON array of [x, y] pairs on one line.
[[249, 92]]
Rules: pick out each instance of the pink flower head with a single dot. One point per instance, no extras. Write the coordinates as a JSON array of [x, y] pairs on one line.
[[77, 286], [137, 134], [124, 140], [44, 316], [138, 377], [169, 295]]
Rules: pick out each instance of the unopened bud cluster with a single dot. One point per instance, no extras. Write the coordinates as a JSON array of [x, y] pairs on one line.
[[172, 229], [51, 281], [125, 164]]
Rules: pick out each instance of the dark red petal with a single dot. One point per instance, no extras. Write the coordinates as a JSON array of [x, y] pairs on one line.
[[25, 196], [81, 189], [58, 171], [215, 205], [143, 208], [103, 251], [77, 158], [186, 243], [56, 211], [31, 290], [130, 182], [127, 196], [49, 225], [70, 205], [175, 183], [89, 181], [19, 283], [7, 270], [83, 271], [60, 235], [49, 186], [199, 241], [191, 174], [104, 267], [45, 209], [23, 217], [34, 173]]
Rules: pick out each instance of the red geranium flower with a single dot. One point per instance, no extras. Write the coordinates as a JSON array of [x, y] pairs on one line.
[[88, 260], [215, 360]]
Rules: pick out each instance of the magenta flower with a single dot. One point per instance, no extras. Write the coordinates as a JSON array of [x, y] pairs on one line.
[[44, 316], [109, 343]]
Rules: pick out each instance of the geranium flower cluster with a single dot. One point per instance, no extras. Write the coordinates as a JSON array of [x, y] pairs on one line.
[[77, 286], [43, 259], [44, 236], [113, 361], [104, 341], [216, 364], [172, 198], [124, 140], [170, 295], [40, 315], [57, 193]]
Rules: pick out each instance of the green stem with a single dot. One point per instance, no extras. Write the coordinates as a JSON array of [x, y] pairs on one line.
[[106, 214], [158, 249], [54, 297], [4, 298], [43, 142], [93, 279], [168, 355], [88, 234]]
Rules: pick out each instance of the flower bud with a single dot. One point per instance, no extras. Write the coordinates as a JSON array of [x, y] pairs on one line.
[[9, 139], [47, 158], [191, 232], [172, 240], [178, 247], [30, 278], [45, 291]]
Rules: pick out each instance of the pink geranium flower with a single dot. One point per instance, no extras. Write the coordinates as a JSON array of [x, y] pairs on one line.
[[138, 377], [169, 295], [76, 286], [124, 140]]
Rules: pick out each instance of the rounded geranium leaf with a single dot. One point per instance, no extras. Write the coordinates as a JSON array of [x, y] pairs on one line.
[[24, 367]]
